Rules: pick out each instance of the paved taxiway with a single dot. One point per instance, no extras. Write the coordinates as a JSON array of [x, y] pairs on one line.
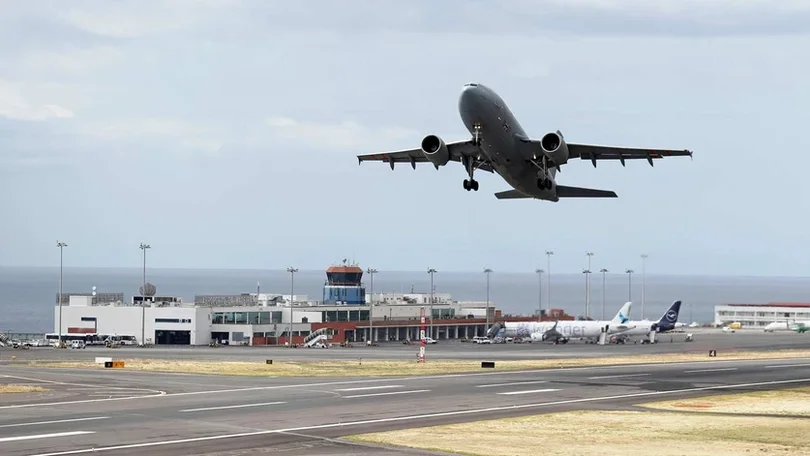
[[134, 413], [446, 349]]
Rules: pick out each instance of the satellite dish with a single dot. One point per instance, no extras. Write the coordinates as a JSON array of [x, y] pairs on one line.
[[148, 289]]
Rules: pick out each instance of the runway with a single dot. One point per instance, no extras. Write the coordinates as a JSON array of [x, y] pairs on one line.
[[133, 413]]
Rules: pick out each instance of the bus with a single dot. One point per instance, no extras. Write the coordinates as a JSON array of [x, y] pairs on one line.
[[87, 338]]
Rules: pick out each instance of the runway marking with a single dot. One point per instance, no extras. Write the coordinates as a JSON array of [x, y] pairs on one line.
[[786, 365], [370, 388], [386, 394], [617, 376], [710, 370], [37, 423], [231, 407], [378, 380], [489, 385], [547, 390], [415, 417], [44, 436]]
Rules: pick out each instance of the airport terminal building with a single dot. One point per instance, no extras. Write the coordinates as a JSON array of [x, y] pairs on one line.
[[758, 316], [345, 315]]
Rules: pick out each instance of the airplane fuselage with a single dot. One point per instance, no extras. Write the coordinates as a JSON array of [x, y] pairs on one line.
[[500, 132]]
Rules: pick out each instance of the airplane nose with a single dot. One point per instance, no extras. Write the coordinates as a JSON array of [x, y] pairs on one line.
[[469, 97]]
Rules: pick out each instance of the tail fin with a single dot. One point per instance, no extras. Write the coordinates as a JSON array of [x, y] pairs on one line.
[[623, 316], [580, 192], [670, 317]]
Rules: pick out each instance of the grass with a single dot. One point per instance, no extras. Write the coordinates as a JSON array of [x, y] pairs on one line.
[[397, 368], [788, 402], [590, 433], [21, 389]]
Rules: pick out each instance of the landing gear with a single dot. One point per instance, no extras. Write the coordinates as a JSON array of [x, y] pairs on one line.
[[471, 183], [477, 134], [543, 181]]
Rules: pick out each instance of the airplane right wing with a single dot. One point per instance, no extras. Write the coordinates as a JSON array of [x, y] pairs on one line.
[[458, 150]]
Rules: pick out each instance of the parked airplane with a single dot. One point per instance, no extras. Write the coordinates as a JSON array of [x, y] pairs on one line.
[[563, 331], [667, 322], [793, 325], [500, 145]]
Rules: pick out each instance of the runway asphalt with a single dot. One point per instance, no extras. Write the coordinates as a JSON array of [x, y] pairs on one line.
[[446, 349], [119, 412]]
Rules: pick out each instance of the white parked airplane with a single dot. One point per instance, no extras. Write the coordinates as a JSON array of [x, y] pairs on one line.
[[500, 145], [563, 331], [792, 325], [667, 322]]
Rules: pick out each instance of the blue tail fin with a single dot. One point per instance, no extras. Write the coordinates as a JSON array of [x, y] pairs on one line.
[[670, 317]]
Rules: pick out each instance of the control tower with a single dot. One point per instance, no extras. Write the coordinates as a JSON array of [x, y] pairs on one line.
[[344, 285]]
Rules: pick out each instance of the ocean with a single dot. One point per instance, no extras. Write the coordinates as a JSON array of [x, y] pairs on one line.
[[28, 295]]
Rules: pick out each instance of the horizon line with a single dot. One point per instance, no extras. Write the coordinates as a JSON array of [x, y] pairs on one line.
[[455, 271]]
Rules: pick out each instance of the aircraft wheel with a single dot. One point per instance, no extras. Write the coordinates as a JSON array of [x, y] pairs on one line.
[[466, 185], [474, 185]]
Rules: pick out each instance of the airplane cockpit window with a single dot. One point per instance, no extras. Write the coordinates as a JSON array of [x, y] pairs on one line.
[[470, 84]]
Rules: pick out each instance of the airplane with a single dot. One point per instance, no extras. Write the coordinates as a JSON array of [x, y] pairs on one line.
[[667, 322], [795, 326], [563, 331], [500, 145]]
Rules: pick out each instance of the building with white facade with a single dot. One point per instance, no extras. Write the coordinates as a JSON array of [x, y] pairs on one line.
[[265, 319], [760, 315]]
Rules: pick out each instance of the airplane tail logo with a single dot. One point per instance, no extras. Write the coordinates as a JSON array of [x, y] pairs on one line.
[[671, 315], [623, 316]]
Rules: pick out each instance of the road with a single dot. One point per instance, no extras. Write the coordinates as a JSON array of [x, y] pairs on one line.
[[118, 412], [446, 349]]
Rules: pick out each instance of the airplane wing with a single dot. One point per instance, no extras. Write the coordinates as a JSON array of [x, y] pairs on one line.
[[594, 152], [457, 149]]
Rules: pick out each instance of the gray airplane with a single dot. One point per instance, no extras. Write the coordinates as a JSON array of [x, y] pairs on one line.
[[499, 144]]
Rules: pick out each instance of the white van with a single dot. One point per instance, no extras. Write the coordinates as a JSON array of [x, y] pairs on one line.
[[482, 340], [77, 344]]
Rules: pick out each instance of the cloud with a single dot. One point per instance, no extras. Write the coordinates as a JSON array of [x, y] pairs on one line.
[[177, 132], [71, 60], [344, 135], [14, 105]]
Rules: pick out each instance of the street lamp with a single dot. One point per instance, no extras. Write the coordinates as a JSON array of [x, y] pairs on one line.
[[487, 271], [643, 281], [539, 293], [371, 272], [548, 268], [588, 287], [292, 272], [603, 271], [61, 246], [587, 273], [143, 247], [431, 271], [629, 273]]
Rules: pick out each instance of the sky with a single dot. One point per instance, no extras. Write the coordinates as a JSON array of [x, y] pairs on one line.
[[224, 133]]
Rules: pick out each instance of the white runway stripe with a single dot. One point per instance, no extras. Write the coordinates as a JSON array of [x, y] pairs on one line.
[[547, 390], [37, 423], [710, 370], [231, 407], [490, 385], [43, 436], [617, 376], [362, 388], [386, 394]]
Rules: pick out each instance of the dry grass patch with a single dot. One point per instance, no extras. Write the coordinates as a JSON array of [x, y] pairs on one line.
[[789, 402], [394, 368], [600, 433], [21, 389]]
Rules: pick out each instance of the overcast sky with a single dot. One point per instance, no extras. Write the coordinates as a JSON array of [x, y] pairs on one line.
[[225, 133]]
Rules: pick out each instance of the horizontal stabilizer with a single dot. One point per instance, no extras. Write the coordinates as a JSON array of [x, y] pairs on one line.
[[511, 194], [579, 192]]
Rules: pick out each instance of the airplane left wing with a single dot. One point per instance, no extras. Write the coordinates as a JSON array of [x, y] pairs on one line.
[[594, 152], [458, 150]]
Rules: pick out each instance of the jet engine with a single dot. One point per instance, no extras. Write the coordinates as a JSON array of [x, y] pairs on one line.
[[555, 148], [435, 150]]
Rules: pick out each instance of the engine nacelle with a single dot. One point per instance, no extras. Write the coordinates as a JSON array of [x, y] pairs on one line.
[[435, 150], [555, 148]]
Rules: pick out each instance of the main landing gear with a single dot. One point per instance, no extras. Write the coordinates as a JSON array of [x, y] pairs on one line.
[[469, 164], [543, 181]]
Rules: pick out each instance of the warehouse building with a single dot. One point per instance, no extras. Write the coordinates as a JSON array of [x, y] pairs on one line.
[[760, 315]]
